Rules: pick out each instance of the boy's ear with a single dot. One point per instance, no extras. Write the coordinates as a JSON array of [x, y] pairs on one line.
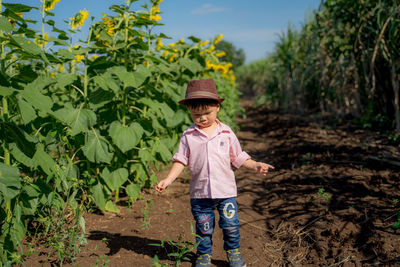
[[218, 105]]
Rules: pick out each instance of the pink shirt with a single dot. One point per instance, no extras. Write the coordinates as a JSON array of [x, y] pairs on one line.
[[209, 160]]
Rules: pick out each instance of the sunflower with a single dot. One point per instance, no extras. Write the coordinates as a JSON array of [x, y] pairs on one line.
[[155, 13], [159, 44], [78, 58], [42, 41], [220, 54], [219, 37], [204, 43], [49, 4], [77, 21], [110, 25]]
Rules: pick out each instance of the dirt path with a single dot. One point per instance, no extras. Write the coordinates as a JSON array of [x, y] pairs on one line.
[[331, 201]]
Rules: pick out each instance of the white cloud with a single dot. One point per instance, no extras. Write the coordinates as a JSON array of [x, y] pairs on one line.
[[252, 35], [208, 8]]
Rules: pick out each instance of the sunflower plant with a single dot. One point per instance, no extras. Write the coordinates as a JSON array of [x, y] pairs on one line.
[[84, 122]]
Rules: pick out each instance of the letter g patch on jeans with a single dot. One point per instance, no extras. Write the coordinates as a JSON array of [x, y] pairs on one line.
[[229, 210]]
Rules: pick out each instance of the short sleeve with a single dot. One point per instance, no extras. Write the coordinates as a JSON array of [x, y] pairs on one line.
[[237, 156], [182, 155]]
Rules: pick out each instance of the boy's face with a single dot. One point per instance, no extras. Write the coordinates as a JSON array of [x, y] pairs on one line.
[[206, 117]]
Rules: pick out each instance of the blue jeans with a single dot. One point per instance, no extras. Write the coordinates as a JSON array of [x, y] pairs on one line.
[[203, 213]]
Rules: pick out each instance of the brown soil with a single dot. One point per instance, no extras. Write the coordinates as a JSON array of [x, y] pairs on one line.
[[285, 221]]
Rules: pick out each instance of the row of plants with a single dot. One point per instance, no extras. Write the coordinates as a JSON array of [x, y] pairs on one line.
[[344, 59], [83, 123]]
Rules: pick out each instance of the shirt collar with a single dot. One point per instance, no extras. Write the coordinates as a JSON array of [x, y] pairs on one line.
[[193, 128]]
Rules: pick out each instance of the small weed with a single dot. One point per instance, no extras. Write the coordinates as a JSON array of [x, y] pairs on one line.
[[170, 211], [322, 194], [146, 213], [155, 262], [181, 250], [395, 138], [306, 159], [396, 225], [102, 261], [395, 200]]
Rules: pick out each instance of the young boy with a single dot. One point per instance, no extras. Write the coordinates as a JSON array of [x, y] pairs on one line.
[[209, 147]]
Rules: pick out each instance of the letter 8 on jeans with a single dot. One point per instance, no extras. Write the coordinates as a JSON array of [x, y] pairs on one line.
[[203, 213]]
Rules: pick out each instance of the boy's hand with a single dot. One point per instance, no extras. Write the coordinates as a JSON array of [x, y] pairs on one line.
[[162, 185], [262, 168]]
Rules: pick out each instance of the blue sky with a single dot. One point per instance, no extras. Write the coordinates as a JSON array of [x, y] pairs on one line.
[[252, 25]]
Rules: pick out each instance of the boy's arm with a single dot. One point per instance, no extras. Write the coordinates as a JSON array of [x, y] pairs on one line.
[[176, 169], [259, 167]]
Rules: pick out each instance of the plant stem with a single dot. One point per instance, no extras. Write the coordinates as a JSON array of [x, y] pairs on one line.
[[43, 23], [4, 110], [125, 97], [2, 43], [85, 78], [116, 195]]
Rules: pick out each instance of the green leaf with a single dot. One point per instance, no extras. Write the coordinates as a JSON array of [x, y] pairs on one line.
[[133, 191], [6, 91], [33, 95], [154, 106], [106, 82], [100, 196], [66, 54], [5, 25], [79, 120], [11, 133], [100, 81], [27, 112], [100, 97], [191, 65], [140, 172], [27, 45], [21, 157], [140, 75], [110, 206], [10, 184], [179, 117], [115, 179], [167, 111], [163, 151], [125, 137], [44, 160], [29, 200], [82, 224], [146, 156], [57, 41], [134, 79], [18, 7], [96, 148], [64, 79], [18, 230]]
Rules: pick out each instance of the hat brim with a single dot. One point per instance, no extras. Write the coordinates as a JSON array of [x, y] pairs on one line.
[[182, 102]]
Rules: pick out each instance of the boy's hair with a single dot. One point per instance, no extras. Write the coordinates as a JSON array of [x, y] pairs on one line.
[[201, 103]]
